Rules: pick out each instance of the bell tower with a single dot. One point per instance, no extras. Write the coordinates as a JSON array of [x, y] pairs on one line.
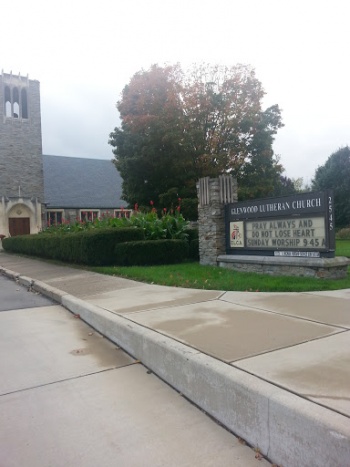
[[21, 167]]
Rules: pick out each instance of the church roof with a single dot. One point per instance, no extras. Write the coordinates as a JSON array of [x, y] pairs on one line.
[[74, 182]]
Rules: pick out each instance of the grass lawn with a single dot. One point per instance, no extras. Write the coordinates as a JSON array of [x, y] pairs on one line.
[[195, 276], [342, 248]]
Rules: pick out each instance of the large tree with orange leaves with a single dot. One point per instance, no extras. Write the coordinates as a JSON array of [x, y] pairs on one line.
[[177, 127]]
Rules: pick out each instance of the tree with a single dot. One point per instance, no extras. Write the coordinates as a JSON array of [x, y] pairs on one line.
[[148, 149], [177, 128], [335, 175]]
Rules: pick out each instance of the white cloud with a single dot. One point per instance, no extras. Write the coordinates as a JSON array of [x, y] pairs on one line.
[[84, 53]]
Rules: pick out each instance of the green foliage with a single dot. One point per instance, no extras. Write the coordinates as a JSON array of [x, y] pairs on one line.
[[335, 175], [93, 247], [177, 128], [106, 221], [343, 247], [154, 227], [344, 234], [94, 242], [193, 242], [97, 247], [194, 249], [195, 276], [189, 208], [151, 252]]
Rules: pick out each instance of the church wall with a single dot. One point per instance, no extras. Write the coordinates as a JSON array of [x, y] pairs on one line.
[[21, 168]]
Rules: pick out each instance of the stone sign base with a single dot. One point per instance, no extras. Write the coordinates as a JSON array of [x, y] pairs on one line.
[[320, 268]]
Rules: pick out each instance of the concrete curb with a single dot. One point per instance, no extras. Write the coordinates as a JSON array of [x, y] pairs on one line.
[[288, 429], [10, 274]]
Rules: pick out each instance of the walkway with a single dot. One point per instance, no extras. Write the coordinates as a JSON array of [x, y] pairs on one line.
[[271, 367]]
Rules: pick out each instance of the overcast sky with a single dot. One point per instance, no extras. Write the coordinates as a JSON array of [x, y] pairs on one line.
[[85, 52]]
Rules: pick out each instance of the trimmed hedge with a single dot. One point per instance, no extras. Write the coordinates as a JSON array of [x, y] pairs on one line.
[[93, 247], [101, 247], [151, 252]]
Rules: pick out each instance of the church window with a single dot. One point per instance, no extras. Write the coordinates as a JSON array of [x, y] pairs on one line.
[[89, 215], [24, 103], [54, 217], [8, 106], [15, 100], [122, 213]]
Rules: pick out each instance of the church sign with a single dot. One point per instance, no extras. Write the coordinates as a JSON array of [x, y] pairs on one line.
[[298, 225]]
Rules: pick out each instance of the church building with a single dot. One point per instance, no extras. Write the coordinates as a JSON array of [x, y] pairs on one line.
[[36, 189]]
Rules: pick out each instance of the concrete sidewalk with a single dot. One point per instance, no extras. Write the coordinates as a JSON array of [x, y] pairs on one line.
[[273, 368]]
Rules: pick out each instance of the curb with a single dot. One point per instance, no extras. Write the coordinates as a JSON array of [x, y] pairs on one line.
[[289, 430]]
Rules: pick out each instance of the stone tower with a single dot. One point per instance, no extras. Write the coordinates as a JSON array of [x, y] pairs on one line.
[[21, 168]]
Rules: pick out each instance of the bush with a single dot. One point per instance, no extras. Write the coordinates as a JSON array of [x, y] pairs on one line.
[[194, 250], [154, 227], [97, 246], [344, 234], [92, 247], [192, 234], [193, 241], [151, 252], [189, 208], [93, 243]]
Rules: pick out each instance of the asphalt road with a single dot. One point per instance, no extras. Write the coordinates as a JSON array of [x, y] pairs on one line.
[[14, 296]]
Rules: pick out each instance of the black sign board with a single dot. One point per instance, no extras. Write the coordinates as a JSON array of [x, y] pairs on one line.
[[297, 225]]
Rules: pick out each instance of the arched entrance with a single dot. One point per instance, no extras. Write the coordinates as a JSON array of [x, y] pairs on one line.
[[20, 216]]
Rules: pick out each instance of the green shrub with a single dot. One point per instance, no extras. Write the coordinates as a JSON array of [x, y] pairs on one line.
[[150, 252], [189, 208], [192, 234], [193, 241], [194, 250], [93, 247], [154, 227], [97, 246], [344, 234]]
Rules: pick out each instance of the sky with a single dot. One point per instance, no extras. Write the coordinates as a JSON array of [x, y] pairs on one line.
[[85, 52]]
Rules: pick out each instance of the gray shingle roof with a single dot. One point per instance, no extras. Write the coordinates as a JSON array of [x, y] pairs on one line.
[[74, 182]]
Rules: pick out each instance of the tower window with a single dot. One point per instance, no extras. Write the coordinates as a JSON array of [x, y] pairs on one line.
[[8, 109], [8, 106], [24, 103], [15, 110], [16, 102]]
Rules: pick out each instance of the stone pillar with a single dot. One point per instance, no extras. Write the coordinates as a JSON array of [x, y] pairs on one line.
[[213, 195]]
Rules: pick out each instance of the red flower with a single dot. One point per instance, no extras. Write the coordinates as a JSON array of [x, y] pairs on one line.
[[151, 203], [136, 207], [164, 209], [178, 208], [179, 200]]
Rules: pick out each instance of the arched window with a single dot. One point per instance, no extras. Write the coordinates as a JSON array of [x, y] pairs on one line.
[[24, 103], [8, 107], [15, 100]]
